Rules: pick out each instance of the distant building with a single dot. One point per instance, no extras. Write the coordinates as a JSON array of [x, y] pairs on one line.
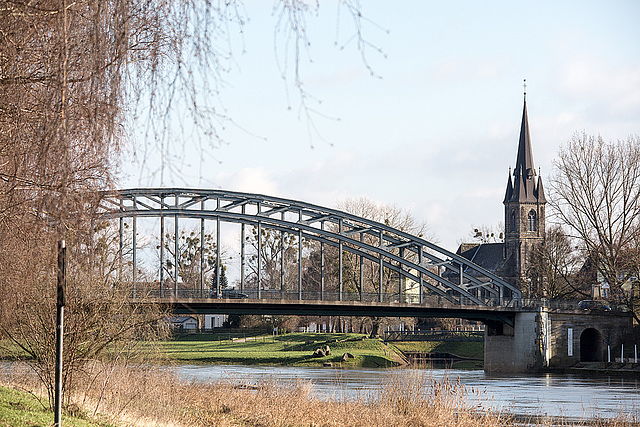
[[524, 219], [212, 321], [183, 322]]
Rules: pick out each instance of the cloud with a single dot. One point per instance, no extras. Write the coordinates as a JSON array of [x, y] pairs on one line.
[[250, 180], [618, 89]]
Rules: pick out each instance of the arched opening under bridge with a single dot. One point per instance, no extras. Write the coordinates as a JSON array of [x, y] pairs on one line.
[[591, 345]]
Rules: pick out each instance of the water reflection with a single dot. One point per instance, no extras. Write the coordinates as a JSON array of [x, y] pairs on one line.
[[568, 396]]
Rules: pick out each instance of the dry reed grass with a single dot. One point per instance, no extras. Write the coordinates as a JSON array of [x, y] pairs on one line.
[[154, 396]]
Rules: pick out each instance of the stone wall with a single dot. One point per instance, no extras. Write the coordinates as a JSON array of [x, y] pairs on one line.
[[542, 338], [606, 327]]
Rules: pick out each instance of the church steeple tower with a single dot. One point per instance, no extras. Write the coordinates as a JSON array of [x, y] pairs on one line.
[[524, 212]]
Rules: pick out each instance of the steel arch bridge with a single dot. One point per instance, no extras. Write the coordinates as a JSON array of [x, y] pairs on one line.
[[435, 273]]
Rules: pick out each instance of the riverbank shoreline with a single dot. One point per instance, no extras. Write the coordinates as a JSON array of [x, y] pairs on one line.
[[617, 369], [293, 349], [407, 397]]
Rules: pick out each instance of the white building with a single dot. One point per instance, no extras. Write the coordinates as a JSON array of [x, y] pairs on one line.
[[212, 321]]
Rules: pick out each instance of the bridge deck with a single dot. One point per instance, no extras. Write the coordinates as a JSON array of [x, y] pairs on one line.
[[334, 308]]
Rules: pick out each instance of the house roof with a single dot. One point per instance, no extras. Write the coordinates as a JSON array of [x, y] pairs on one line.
[[180, 319]]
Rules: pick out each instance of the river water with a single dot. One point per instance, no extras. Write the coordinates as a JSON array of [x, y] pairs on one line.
[[568, 396]]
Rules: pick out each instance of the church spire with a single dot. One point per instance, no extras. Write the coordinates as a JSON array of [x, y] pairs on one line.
[[524, 171], [540, 192], [524, 161], [524, 209], [509, 193]]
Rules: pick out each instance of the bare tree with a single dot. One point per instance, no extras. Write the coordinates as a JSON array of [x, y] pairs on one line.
[[596, 194], [73, 77], [101, 319], [486, 234], [362, 276], [391, 216], [278, 258], [194, 257], [553, 268]]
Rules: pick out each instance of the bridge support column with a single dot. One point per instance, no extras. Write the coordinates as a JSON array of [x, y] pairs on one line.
[[518, 349]]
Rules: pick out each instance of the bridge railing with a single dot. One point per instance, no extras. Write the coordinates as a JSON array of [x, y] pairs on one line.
[[557, 304], [435, 335], [151, 290], [314, 295]]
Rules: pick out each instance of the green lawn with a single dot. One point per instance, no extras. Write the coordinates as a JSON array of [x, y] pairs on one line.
[[294, 349], [21, 409], [10, 351]]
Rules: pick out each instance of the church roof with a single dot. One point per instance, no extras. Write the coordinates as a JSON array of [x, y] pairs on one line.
[[489, 256], [524, 187]]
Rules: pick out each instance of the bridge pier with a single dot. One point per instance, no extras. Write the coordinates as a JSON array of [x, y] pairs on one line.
[[521, 348], [543, 338]]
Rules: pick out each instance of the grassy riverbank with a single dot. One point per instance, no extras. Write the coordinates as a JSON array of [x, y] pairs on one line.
[[156, 397], [294, 349], [18, 408]]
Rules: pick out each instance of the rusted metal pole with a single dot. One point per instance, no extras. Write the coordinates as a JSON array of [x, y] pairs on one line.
[[62, 273]]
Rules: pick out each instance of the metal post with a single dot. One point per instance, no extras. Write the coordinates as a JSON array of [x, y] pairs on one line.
[[135, 252], [218, 262], [202, 252], [282, 261], [161, 249], [340, 260], [322, 265], [380, 270], [401, 289], [259, 208], [361, 270], [259, 255], [176, 248], [62, 273], [121, 247], [421, 279], [300, 262], [242, 261]]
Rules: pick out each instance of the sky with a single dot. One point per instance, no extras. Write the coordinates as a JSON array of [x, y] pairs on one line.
[[435, 127]]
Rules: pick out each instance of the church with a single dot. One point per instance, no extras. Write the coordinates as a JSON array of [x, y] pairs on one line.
[[524, 219]]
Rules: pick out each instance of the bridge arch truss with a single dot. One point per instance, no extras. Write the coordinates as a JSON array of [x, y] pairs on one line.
[[418, 263]]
